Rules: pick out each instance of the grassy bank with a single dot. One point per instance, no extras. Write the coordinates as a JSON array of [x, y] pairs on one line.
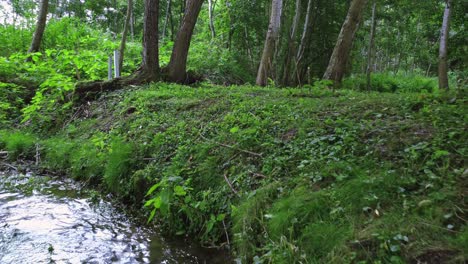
[[279, 175]]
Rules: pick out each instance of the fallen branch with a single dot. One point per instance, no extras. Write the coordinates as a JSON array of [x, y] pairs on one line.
[[230, 185], [9, 166], [227, 235]]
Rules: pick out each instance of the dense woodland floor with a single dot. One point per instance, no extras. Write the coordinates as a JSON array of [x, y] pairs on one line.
[[282, 175], [311, 132]]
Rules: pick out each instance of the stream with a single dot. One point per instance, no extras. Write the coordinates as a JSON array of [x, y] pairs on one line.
[[52, 220]]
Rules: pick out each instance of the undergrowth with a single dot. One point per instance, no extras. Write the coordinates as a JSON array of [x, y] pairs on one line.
[[278, 175]]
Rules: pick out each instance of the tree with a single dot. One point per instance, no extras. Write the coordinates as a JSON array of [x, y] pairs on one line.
[[125, 33], [178, 63], [339, 57], [444, 32], [149, 70], [265, 68], [40, 27], [291, 43], [371, 46]]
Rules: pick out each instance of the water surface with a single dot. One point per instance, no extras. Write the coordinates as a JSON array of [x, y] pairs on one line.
[[49, 220]]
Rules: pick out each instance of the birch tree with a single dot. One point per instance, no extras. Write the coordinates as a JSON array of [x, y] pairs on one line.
[[125, 33], [266, 64], [444, 34]]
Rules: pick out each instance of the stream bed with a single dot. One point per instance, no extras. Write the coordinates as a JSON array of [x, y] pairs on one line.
[[51, 220]]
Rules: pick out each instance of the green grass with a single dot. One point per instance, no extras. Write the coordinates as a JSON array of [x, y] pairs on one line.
[[302, 175]]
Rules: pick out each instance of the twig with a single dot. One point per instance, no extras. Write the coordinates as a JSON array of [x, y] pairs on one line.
[[230, 185], [9, 166], [232, 147], [38, 157], [227, 235], [443, 228]]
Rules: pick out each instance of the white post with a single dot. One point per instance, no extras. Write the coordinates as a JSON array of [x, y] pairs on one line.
[[116, 64], [109, 68]]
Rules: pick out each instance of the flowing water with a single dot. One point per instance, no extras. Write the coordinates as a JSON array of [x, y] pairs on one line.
[[48, 220]]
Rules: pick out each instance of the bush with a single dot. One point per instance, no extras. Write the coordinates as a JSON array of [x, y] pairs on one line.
[[18, 144], [385, 82]]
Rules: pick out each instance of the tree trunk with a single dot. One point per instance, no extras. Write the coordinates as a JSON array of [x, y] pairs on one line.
[[40, 27], [125, 33], [292, 44], [371, 46], [339, 58], [298, 71], [210, 15], [444, 34], [166, 20], [264, 70], [178, 63], [149, 69]]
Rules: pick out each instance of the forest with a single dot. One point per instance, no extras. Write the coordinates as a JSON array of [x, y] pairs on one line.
[[263, 131]]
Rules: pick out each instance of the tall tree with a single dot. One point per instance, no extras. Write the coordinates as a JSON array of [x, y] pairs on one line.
[[178, 64], [292, 43], [125, 32], [265, 68], [166, 20], [339, 57], [40, 27], [306, 32], [149, 70], [444, 32], [210, 16], [371, 46]]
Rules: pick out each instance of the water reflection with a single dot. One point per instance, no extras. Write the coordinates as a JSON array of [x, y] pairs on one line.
[[59, 225]]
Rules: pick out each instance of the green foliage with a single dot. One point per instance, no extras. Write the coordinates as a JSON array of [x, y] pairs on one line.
[[18, 144], [385, 82], [217, 64], [288, 175], [58, 154], [119, 162], [88, 162], [14, 40], [12, 100]]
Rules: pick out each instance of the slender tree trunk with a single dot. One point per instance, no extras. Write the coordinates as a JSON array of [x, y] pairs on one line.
[[124, 33], [444, 34], [292, 43], [40, 28], [231, 25], [339, 58], [264, 70], [306, 31], [371, 46], [166, 20], [210, 15], [178, 63], [132, 24]]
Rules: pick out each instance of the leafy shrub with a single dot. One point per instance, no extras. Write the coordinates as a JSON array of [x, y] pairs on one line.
[[119, 163], [88, 163], [217, 64], [18, 144], [384, 82], [14, 40], [59, 153], [12, 100]]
